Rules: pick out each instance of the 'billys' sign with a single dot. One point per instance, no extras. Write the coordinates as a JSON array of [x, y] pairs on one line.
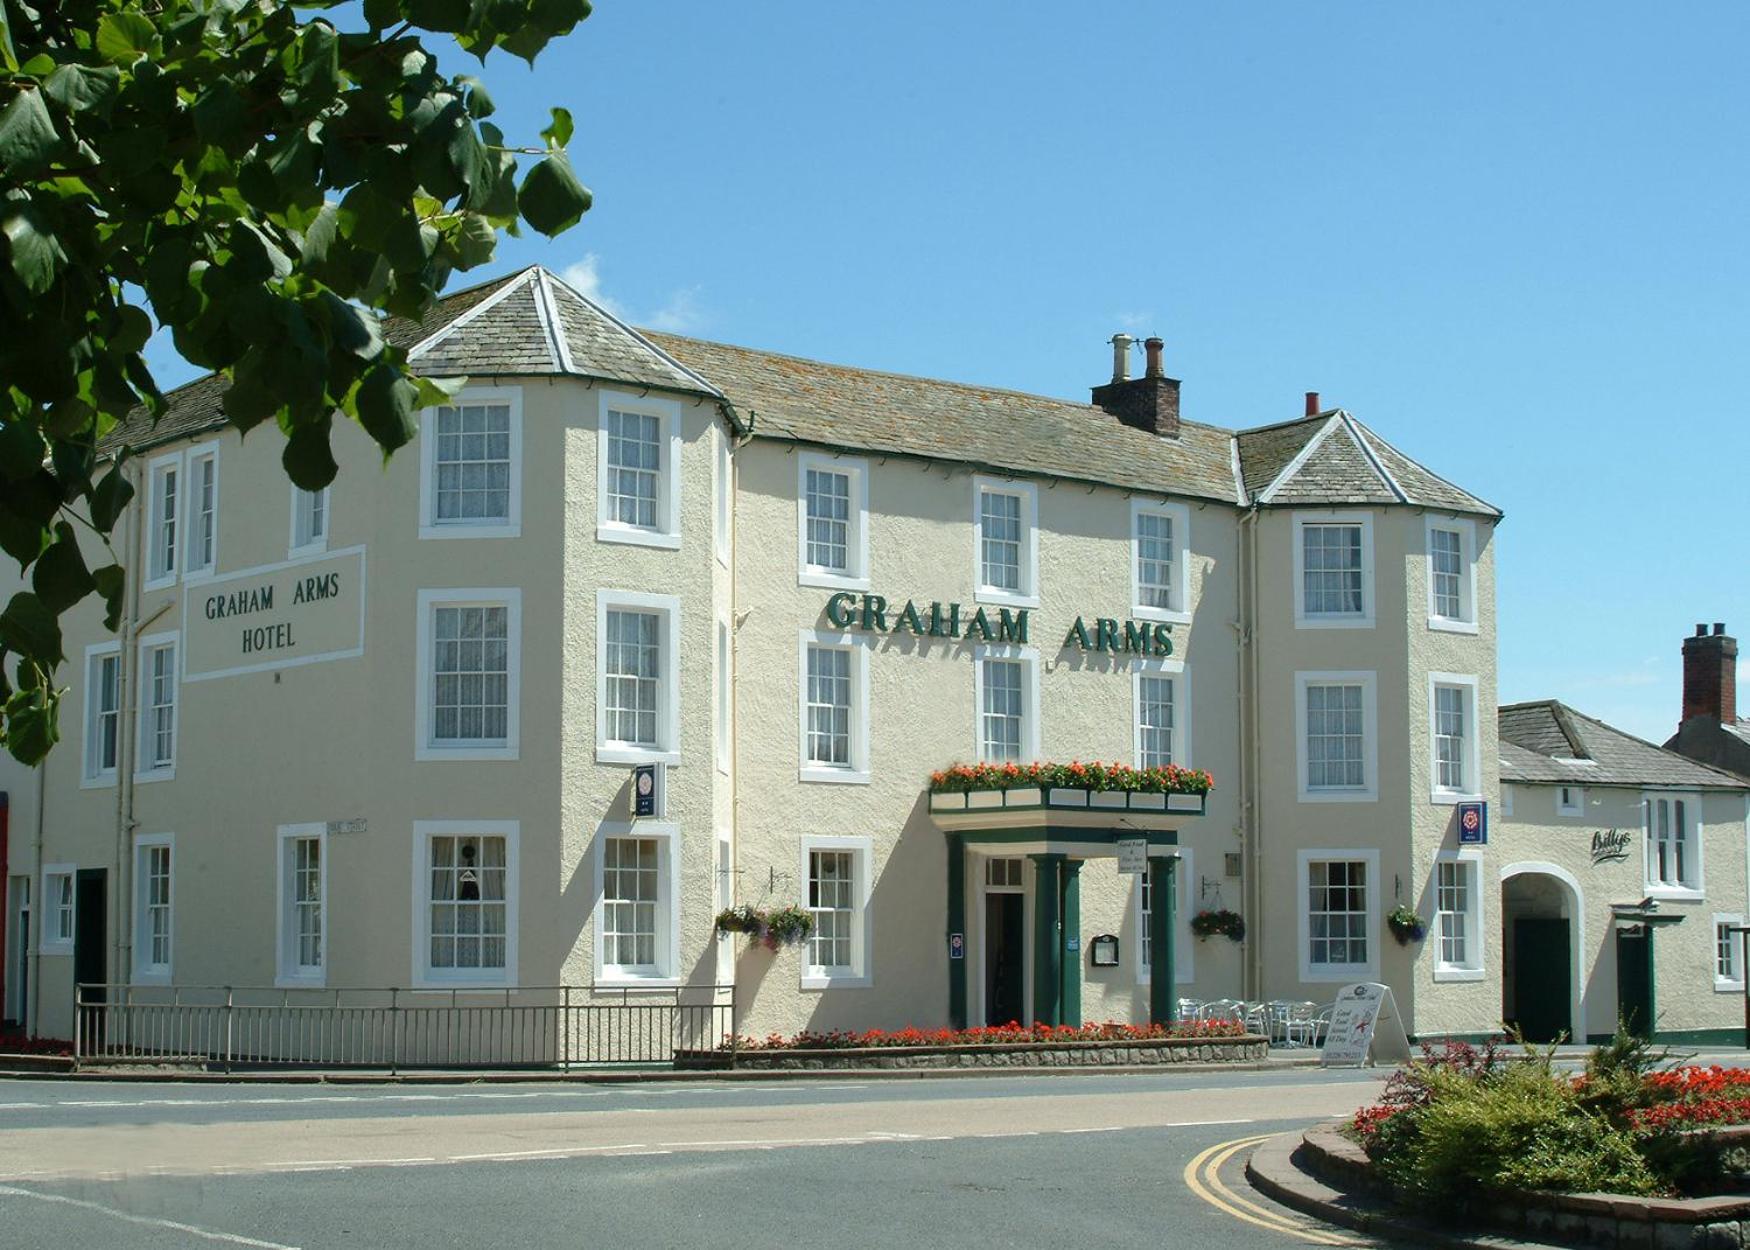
[[874, 614], [1609, 846]]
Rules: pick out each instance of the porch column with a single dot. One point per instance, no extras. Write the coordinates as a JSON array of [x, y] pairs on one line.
[[956, 925], [1047, 940], [1163, 923], [1071, 1006]]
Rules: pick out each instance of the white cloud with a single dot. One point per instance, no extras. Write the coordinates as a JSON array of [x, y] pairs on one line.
[[681, 312]]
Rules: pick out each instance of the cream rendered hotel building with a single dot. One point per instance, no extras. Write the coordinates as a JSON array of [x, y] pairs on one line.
[[385, 736]]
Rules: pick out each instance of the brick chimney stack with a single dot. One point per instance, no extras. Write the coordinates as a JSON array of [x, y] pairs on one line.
[[1710, 675], [1150, 402]]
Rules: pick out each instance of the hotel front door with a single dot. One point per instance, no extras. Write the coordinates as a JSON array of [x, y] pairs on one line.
[[1005, 944]]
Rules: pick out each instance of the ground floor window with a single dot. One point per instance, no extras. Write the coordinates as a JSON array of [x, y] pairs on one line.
[[468, 902], [57, 937], [1458, 926], [1728, 953], [1183, 945], [154, 902], [303, 894], [1336, 914], [636, 920], [836, 891]]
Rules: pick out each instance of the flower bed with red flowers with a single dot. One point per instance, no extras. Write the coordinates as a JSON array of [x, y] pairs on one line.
[[964, 778], [992, 1035], [16, 1043]]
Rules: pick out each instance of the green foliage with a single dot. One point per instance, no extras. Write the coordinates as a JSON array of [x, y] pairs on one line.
[[267, 177], [1522, 1128], [1615, 1083]]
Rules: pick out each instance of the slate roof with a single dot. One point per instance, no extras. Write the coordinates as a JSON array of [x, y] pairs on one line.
[[532, 323], [1332, 459], [1549, 742], [810, 401]]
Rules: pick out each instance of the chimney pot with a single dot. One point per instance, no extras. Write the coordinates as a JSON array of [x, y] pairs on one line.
[[1719, 628], [1700, 630], [1153, 346], [1121, 357], [1312, 404]]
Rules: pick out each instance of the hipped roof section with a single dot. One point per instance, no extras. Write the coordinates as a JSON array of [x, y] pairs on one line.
[[1549, 742], [531, 323]]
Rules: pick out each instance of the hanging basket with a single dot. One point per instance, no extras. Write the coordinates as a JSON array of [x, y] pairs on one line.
[[1406, 926], [1224, 923], [780, 927]]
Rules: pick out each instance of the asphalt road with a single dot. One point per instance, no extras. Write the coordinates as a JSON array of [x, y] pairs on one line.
[[1088, 1160]]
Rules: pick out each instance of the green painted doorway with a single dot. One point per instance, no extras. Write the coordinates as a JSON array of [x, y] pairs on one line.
[[1634, 979], [1005, 949], [1542, 990]]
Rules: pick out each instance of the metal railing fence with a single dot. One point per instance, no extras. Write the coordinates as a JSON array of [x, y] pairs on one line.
[[523, 1027]]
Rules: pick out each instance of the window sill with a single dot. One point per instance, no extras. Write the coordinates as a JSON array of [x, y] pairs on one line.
[[1332, 622], [102, 781], [630, 535], [1172, 616], [158, 583], [634, 982], [308, 549], [1450, 798], [196, 576], [145, 976], [500, 529], [156, 774], [1004, 598], [826, 580], [1339, 974], [1728, 987], [309, 981], [834, 776], [426, 983], [55, 948], [1339, 796], [618, 753], [1446, 625], [837, 981], [1457, 974], [428, 753], [1675, 893]]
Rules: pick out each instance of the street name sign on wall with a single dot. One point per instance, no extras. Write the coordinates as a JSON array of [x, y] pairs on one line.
[[274, 616], [1365, 1026], [1133, 855]]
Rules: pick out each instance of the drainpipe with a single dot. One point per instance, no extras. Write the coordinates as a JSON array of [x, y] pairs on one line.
[[5, 883], [1251, 806], [37, 912], [127, 727]]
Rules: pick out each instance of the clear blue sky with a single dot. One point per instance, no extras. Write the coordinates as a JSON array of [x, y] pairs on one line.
[[1511, 238]]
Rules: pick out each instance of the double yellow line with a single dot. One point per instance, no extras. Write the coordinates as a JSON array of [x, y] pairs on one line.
[[1203, 1178]]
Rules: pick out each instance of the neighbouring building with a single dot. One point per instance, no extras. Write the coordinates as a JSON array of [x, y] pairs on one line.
[[384, 735], [1711, 731]]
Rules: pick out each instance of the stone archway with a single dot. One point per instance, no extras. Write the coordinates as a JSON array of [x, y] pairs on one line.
[[1542, 910]]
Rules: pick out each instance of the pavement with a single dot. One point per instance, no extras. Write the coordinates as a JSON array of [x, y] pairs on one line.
[[1094, 1158]]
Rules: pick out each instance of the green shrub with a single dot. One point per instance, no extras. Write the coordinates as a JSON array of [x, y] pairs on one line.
[[1522, 1129]]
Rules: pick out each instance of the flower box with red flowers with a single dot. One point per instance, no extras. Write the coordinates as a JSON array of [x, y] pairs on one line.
[[1086, 786]]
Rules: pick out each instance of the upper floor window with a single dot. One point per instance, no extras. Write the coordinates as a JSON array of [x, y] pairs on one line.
[[637, 671], [1338, 746], [1333, 569], [1161, 714], [639, 476], [203, 509], [1673, 842], [1570, 800], [472, 467], [309, 520], [1007, 696], [835, 709], [1159, 567], [1452, 714], [469, 660], [103, 664], [1452, 574], [1006, 542], [724, 503], [158, 690], [833, 521], [164, 513]]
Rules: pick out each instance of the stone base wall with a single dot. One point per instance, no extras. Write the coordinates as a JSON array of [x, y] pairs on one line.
[[1606, 1221], [1248, 1049]]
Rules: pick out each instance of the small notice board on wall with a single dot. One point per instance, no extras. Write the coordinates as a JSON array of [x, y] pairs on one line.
[[1132, 855], [1365, 1028]]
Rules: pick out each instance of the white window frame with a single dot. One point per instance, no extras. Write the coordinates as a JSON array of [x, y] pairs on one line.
[[143, 771], [1029, 659], [1575, 808], [91, 774], [725, 675], [157, 577], [192, 457], [861, 974], [1471, 859], [1185, 942], [426, 746], [473, 527], [49, 942], [667, 533], [664, 973], [1332, 620], [668, 714], [856, 573], [1174, 670], [288, 972], [1368, 680], [724, 501], [1179, 612], [856, 646], [143, 972], [1728, 985], [1506, 799], [1467, 684], [1466, 620], [1327, 973], [1695, 886], [426, 977], [313, 545], [1028, 594]]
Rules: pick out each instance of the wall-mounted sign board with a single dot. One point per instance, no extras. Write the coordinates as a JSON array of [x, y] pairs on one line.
[[274, 616]]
